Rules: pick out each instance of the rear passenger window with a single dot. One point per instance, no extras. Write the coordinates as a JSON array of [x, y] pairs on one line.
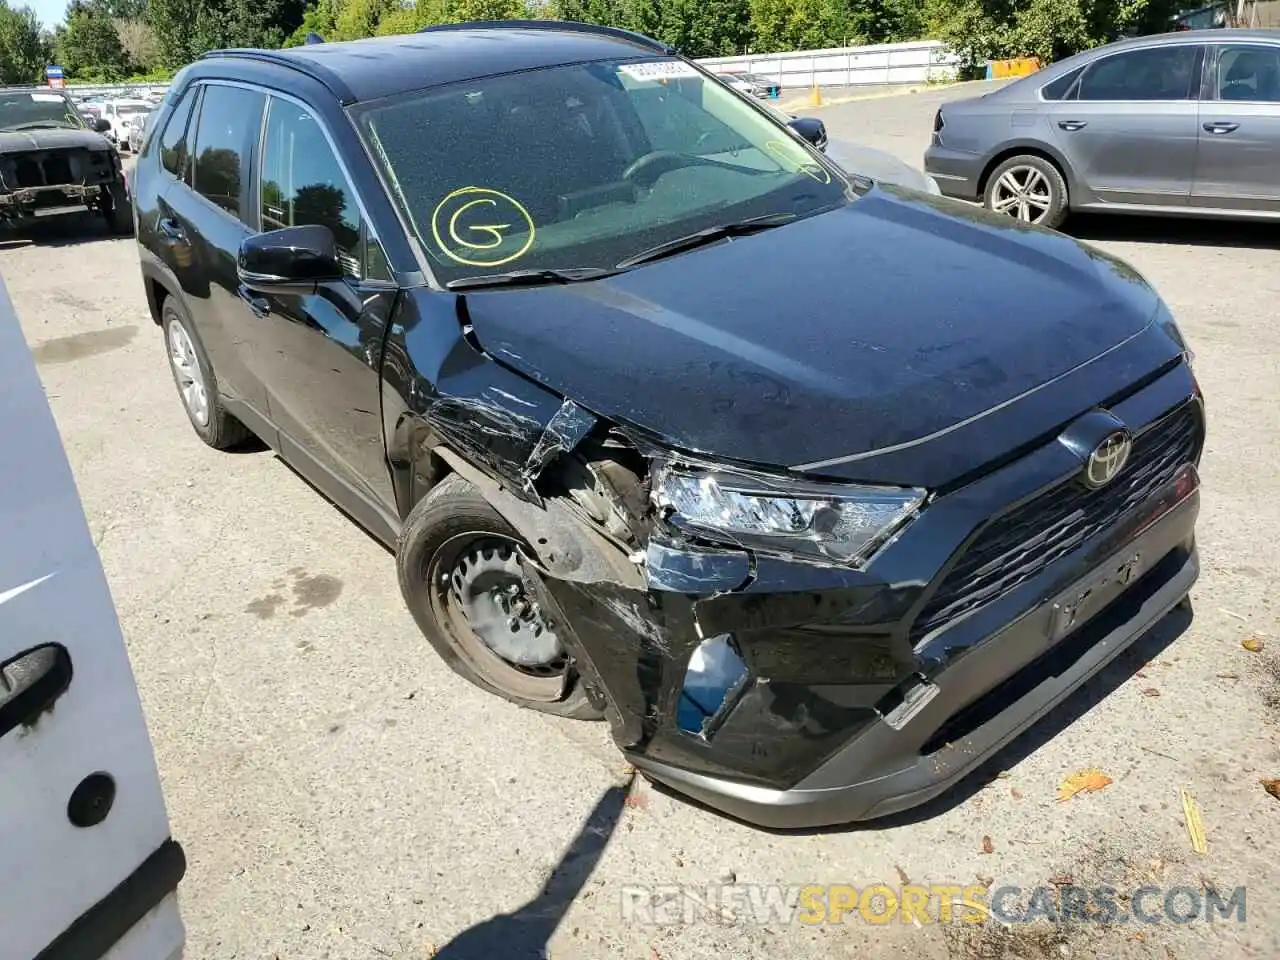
[[302, 183], [173, 144], [1060, 88], [1160, 73], [230, 119]]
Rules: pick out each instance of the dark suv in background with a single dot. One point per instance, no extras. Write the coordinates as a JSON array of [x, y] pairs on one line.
[[819, 489], [52, 163]]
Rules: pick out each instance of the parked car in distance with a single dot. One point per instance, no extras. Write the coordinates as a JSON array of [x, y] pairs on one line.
[[121, 114], [1183, 124], [753, 84], [52, 163], [138, 130], [818, 489]]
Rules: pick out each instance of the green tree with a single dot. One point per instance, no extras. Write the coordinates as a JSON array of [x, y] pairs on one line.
[[24, 50], [888, 21], [139, 42], [358, 18], [462, 10], [89, 47], [981, 30], [319, 19], [800, 24]]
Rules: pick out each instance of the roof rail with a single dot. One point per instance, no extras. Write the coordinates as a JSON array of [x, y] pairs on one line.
[[303, 65], [571, 26]]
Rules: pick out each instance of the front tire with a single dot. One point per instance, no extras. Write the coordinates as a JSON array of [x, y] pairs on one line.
[[197, 385], [1030, 189], [462, 576], [118, 211]]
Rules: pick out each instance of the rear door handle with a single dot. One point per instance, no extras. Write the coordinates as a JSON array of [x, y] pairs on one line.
[[171, 229], [31, 682], [1221, 126], [1071, 126], [260, 306]]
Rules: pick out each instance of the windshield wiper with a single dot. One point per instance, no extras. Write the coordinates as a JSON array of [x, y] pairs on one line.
[[529, 278], [701, 238]]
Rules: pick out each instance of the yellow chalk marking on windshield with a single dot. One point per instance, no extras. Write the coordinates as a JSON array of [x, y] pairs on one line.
[[493, 228], [494, 234]]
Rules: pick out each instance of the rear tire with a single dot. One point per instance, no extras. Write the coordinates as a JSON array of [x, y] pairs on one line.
[[197, 385], [1030, 189], [460, 568]]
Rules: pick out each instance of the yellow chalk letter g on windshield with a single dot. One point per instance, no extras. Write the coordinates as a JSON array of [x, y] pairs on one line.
[[477, 244]]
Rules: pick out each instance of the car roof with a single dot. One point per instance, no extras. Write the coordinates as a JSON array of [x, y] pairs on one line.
[[377, 67], [1205, 35]]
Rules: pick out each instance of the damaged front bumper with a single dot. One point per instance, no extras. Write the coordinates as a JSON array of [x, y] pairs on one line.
[[790, 693], [50, 201]]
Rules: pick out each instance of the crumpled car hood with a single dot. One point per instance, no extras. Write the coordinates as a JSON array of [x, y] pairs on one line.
[[22, 141], [868, 329]]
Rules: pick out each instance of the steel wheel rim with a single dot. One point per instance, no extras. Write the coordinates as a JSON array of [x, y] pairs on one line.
[[188, 373], [465, 582], [1024, 193]]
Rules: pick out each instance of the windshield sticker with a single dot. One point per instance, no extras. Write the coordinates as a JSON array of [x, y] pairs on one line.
[[477, 227], [794, 159], [46, 98], [658, 70]]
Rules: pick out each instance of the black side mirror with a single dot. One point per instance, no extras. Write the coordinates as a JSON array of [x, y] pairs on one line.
[[812, 129], [101, 124], [297, 257]]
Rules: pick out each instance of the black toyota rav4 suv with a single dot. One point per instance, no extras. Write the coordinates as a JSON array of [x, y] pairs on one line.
[[818, 489]]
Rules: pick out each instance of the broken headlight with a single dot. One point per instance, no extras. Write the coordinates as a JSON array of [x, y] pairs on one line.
[[838, 522]]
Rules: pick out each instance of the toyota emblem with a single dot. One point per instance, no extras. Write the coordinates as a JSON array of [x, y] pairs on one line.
[[1107, 460]]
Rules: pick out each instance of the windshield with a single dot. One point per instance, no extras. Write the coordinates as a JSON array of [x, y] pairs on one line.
[[584, 166], [33, 109]]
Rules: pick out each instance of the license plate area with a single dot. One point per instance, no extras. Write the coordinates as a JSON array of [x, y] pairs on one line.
[[1090, 596]]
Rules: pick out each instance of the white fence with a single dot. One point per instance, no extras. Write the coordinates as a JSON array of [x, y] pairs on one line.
[[117, 89], [920, 61]]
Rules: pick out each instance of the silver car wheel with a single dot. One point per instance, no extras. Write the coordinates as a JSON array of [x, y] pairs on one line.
[[186, 370], [1024, 193]]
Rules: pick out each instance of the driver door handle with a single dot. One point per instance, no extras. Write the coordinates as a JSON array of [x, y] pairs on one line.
[[31, 682], [260, 306], [1221, 126], [1071, 126], [171, 229]]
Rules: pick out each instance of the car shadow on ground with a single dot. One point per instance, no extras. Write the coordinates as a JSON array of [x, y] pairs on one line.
[[63, 231], [1143, 650], [524, 933], [1176, 231]]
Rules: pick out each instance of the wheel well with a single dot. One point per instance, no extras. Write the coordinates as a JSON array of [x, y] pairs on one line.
[[156, 293], [1004, 155]]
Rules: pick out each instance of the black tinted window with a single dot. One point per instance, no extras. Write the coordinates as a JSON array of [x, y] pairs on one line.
[[303, 184], [173, 144], [1060, 88], [230, 118], [1249, 73], [1162, 73]]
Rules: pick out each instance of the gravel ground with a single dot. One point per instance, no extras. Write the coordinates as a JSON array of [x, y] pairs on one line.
[[341, 794]]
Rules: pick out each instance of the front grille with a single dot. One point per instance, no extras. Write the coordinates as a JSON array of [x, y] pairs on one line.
[[1013, 548], [44, 169]]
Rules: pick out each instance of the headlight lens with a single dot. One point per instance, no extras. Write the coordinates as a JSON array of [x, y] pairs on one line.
[[820, 521]]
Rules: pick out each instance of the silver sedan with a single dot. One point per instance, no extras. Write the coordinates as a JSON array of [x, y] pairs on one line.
[[1181, 124]]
